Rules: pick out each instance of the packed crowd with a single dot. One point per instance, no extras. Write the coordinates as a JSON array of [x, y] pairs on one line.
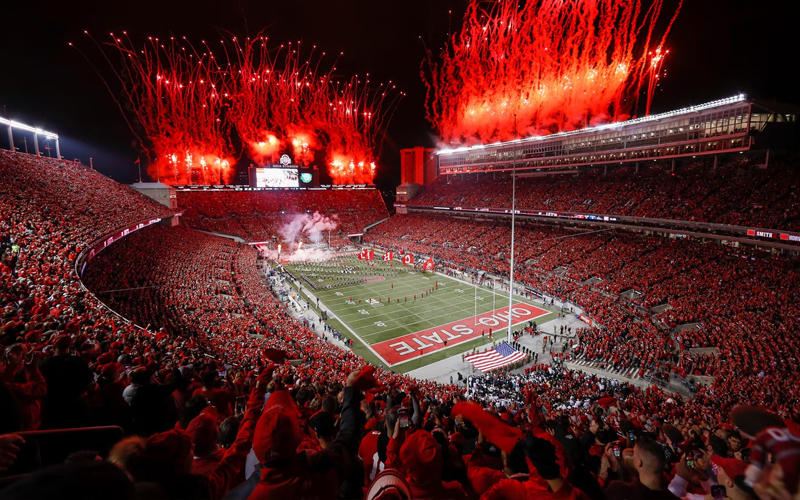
[[62, 195], [735, 192], [223, 395], [745, 307], [259, 215]]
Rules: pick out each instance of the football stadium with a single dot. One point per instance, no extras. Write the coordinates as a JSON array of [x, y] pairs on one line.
[[406, 319], [550, 253]]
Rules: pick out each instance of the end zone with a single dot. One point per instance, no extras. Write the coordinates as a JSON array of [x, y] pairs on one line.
[[413, 345]]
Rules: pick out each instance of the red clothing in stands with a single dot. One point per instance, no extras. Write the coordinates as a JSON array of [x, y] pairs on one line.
[[520, 489], [481, 477], [208, 463], [368, 453], [220, 398]]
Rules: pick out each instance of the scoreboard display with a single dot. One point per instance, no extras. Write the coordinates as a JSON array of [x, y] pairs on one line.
[[284, 175], [277, 177]]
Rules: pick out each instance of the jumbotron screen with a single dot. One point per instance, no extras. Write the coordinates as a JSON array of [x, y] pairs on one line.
[[277, 177]]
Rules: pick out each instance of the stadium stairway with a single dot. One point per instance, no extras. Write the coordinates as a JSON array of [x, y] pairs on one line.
[[590, 367]]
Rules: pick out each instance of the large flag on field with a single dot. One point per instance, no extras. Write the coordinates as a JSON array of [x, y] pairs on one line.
[[428, 265], [366, 254], [408, 260], [498, 357], [388, 256]]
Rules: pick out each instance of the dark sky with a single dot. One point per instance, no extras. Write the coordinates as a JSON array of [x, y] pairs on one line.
[[718, 48]]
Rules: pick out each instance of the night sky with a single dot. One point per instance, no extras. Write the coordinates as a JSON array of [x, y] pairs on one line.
[[718, 48]]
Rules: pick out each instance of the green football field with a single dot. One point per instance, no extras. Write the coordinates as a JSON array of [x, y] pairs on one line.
[[375, 306]]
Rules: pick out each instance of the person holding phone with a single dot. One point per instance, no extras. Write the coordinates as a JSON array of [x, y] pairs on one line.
[[687, 474], [730, 483], [372, 449], [730, 480], [649, 461], [285, 473]]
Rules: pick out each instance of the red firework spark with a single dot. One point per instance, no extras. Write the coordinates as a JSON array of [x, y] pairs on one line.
[[300, 105], [554, 65], [187, 101], [357, 118], [279, 100], [177, 96]]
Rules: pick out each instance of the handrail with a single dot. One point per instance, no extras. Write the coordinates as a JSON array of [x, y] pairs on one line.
[[105, 241], [370, 226], [71, 430]]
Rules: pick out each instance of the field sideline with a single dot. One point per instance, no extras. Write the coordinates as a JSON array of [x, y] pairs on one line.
[[408, 334]]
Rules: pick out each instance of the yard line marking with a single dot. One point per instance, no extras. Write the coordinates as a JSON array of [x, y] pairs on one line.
[[414, 345], [450, 305], [427, 321], [334, 316]]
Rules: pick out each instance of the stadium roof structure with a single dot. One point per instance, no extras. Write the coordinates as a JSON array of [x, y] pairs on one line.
[[606, 126], [726, 125], [11, 124], [28, 128]]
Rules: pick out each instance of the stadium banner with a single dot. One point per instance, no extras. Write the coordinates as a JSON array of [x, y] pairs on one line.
[[790, 237], [586, 319], [366, 254], [407, 347], [762, 234]]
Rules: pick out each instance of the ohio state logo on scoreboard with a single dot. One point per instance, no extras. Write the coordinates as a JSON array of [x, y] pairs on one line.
[[285, 160]]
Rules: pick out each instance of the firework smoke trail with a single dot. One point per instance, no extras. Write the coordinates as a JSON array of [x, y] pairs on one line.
[[177, 97], [318, 224], [556, 65], [309, 227]]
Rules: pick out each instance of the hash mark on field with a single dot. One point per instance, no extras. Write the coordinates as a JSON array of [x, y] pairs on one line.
[[414, 314], [458, 302], [465, 306], [430, 321]]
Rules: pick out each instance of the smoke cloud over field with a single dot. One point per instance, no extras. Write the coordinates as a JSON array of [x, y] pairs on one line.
[[310, 226], [304, 227]]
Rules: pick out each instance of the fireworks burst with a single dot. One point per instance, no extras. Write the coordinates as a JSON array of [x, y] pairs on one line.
[[185, 103], [357, 119], [177, 97], [279, 100], [300, 105], [554, 65]]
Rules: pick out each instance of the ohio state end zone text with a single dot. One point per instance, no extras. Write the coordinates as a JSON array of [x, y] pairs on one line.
[[407, 347]]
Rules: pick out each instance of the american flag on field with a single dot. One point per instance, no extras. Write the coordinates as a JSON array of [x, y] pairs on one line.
[[498, 357]]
